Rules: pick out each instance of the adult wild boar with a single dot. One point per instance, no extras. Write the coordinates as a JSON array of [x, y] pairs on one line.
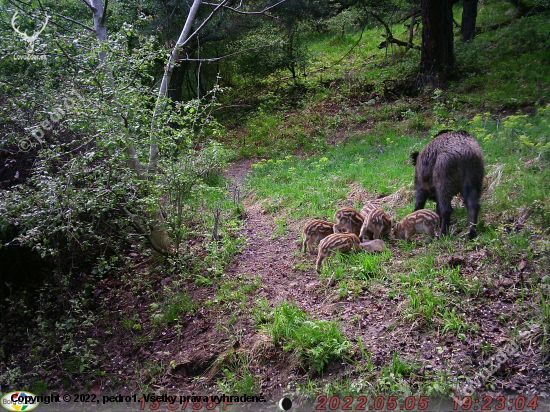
[[450, 164]]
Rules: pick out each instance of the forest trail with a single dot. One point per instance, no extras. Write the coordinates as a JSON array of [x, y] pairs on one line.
[[268, 255], [223, 336], [288, 274]]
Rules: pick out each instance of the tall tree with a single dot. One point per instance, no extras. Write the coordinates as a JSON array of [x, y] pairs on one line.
[[469, 16], [437, 55]]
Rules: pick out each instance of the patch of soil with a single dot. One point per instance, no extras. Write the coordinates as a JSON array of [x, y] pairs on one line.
[[238, 170]]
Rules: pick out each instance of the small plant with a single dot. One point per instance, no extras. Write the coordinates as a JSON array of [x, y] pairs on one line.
[[239, 377], [315, 342], [366, 355], [281, 228], [452, 322], [454, 277], [132, 323], [370, 265], [415, 121], [262, 312], [178, 306], [150, 373], [392, 376], [423, 303]]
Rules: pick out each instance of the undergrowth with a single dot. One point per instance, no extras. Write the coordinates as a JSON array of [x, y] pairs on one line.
[[428, 281]]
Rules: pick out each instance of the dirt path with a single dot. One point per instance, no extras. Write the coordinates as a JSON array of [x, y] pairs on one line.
[[372, 313], [288, 274], [270, 256]]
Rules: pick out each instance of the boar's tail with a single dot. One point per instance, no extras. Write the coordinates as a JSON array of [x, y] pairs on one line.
[[414, 156]]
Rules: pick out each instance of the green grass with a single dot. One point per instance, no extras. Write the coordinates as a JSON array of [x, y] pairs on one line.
[[453, 323], [379, 166], [517, 153], [503, 68], [306, 174], [361, 266], [176, 305], [238, 376], [235, 291], [433, 295], [316, 343], [498, 69]]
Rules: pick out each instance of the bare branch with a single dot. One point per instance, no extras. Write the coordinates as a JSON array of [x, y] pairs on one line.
[[104, 12], [262, 12], [389, 36], [63, 17], [74, 21], [354, 46], [223, 57], [87, 3], [202, 24], [76, 62]]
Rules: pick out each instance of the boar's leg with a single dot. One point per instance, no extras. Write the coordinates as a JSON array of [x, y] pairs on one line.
[[444, 210], [431, 232], [319, 263], [421, 196], [310, 243], [471, 198], [409, 232]]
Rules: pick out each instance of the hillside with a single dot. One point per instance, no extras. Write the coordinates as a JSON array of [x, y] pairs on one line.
[[91, 307]]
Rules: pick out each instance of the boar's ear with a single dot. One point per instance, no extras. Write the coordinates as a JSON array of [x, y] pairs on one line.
[[414, 156]]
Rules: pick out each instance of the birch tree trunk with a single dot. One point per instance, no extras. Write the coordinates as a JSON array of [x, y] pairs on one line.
[[158, 233], [174, 56], [100, 28], [157, 237]]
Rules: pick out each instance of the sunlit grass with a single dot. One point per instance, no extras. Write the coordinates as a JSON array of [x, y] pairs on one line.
[[315, 342], [517, 153]]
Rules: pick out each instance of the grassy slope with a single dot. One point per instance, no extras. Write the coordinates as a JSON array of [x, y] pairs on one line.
[[348, 140], [499, 73], [499, 70]]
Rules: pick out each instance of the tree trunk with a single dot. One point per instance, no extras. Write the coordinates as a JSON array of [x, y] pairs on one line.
[[154, 150], [158, 237], [100, 27], [437, 56], [469, 16], [158, 233]]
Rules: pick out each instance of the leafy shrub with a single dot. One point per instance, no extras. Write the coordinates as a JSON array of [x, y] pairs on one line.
[[83, 194]]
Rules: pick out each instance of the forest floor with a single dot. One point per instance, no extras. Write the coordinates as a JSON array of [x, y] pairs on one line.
[[374, 317], [220, 347]]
